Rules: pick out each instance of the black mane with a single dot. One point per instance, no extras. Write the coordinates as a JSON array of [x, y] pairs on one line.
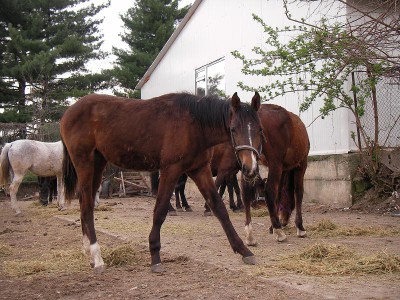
[[211, 111]]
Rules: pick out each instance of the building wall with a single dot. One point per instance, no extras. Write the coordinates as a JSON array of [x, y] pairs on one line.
[[221, 26]]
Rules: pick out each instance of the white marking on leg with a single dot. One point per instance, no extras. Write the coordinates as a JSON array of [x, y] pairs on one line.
[[86, 245], [280, 235], [250, 240], [60, 193], [95, 255], [301, 233]]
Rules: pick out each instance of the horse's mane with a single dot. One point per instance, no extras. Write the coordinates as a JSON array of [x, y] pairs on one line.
[[210, 111]]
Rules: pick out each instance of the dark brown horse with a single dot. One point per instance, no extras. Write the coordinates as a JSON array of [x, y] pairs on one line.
[[171, 133], [285, 153]]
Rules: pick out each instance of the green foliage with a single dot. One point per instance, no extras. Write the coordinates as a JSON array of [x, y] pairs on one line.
[[318, 60], [44, 46], [149, 24]]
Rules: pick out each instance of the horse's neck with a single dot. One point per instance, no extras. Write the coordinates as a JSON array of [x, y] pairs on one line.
[[215, 136]]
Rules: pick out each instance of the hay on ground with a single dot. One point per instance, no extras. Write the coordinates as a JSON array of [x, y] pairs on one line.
[[330, 259]]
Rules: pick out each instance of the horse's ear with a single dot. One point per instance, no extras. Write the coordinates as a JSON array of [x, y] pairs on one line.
[[256, 101], [235, 102]]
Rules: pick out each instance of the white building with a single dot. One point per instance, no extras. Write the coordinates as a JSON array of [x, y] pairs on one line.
[[201, 48]]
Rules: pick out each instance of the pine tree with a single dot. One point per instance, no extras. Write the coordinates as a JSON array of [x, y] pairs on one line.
[[149, 24], [44, 46]]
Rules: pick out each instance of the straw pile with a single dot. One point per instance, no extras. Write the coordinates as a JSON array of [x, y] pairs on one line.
[[326, 228], [330, 259], [123, 255]]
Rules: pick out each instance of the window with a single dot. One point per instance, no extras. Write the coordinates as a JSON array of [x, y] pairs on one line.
[[210, 79]]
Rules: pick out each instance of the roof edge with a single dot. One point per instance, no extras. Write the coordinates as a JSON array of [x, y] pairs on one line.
[[168, 45]]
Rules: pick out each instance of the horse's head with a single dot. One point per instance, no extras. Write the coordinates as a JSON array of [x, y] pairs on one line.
[[246, 134]]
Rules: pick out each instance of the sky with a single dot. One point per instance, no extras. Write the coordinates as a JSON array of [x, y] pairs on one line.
[[112, 27]]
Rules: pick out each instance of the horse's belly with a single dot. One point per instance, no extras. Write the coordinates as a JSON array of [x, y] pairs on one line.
[[133, 161]]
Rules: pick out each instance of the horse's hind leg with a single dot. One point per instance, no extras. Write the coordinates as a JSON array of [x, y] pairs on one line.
[[299, 191], [60, 192], [86, 181], [185, 204], [286, 197], [272, 190], [235, 184], [100, 164], [203, 179], [168, 179], [14, 186]]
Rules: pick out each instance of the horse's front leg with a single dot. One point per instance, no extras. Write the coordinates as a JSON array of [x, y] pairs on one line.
[[248, 196], [60, 192], [272, 189], [168, 179], [203, 179]]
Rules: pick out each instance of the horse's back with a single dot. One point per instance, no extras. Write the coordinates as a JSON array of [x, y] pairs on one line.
[[41, 158], [287, 138], [132, 134]]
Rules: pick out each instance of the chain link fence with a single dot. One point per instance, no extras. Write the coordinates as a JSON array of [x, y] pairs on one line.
[[388, 97]]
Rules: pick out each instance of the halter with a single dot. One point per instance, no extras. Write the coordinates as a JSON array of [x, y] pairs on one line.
[[246, 147]]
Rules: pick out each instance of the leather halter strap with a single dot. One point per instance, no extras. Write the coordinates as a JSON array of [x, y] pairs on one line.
[[247, 147], [239, 148]]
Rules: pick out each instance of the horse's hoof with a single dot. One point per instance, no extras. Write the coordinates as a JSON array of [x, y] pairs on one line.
[[157, 268], [172, 213], [280, 235], [251, 243], [207, 213], [18, 213], [99, 269], [188, 209], [301, 233], [249, 260], [179, 209], [62, 209]]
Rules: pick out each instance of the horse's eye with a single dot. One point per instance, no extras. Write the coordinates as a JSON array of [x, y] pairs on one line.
[[233, 129]]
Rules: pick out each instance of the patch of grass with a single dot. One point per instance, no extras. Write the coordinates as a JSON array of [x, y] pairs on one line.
[[330, 259], [326, 228], [123, 255]]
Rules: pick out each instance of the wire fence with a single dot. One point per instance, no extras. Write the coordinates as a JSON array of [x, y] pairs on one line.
[[388, 98]]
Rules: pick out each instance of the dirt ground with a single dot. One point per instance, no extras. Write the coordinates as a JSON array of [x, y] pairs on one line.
[[40, 255]]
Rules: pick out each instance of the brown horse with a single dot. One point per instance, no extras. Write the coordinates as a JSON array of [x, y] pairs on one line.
[[285, 153], [172, 133]]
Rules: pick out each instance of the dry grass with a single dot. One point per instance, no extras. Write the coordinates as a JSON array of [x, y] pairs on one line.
[[326, 228], [5, 251], [123, 255], [261, 212], [330, 259], [55, 262]]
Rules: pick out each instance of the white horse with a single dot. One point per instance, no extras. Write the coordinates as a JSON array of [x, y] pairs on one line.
[[42, 159]]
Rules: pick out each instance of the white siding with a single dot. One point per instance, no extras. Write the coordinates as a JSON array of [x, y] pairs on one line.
[[221, 26]]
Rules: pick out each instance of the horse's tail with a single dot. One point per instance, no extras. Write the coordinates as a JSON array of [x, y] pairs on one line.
[[4, 165], [69, 175]]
